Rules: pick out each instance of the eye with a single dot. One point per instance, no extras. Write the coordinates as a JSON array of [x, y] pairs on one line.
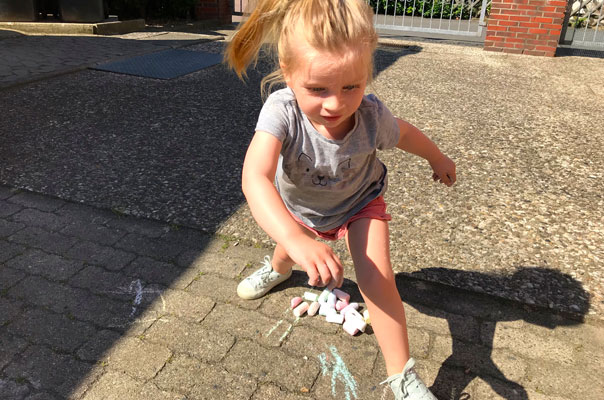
[[316, 89], [351, 87]]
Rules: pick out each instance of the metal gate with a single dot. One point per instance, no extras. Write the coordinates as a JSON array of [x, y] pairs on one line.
[[584, 25], [449, 17]]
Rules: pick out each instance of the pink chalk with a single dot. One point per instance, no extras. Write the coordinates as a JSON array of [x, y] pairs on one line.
[[350, 328], [295, 301], [351, 306], [301, 309], [341, 304], [341, 295], [314, 307]]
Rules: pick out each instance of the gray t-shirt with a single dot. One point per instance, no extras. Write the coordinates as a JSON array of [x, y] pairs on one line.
[[324, 182]]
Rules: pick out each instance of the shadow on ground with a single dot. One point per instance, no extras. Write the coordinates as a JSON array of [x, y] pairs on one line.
[[469, 360]]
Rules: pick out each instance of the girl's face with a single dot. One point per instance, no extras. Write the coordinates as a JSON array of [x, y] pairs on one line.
[[328, 87]]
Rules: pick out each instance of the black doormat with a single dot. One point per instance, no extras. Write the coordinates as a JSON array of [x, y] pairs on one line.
[[570, 51], [167, 64]]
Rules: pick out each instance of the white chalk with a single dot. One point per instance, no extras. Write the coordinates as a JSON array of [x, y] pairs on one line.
[[350, 328], [314, 308], [342, 295], [301, 309], [357, 321], [310, 296], [326, 309], [353, 314], [332, 300], [334, 317]]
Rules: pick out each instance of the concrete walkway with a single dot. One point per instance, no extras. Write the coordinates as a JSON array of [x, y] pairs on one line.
[[123, 232]]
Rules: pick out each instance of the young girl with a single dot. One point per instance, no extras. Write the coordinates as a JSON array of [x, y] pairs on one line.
[[311, 168]]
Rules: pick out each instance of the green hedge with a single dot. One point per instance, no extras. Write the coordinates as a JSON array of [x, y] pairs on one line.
[[152, 9], [426, 8]]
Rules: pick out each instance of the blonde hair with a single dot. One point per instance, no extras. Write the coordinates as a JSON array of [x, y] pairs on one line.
[[328, 25]]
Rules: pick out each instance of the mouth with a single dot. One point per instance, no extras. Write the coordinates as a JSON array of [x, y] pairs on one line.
[[331, 118]]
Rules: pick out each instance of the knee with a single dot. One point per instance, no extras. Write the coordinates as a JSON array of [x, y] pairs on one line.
[[371, 278]]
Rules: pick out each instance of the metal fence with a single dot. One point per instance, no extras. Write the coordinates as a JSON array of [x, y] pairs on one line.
[[455, 17], [584, 24]]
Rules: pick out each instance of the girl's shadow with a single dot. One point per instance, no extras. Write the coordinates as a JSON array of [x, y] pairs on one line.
[[541, 286]]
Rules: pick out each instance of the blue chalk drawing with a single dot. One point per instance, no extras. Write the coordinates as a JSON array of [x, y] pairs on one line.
[[338, 371]]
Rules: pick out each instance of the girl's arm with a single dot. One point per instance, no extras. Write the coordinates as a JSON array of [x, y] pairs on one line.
[[317, 259], [414, 141]]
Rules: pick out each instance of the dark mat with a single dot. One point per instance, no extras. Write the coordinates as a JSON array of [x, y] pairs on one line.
[[570, 51], [167, 64]]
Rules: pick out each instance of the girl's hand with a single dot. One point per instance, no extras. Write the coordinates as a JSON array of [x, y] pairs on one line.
[[444, 170], [321, 264]]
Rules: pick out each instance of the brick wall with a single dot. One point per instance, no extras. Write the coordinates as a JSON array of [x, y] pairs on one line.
[[525, 26], [219, 10]]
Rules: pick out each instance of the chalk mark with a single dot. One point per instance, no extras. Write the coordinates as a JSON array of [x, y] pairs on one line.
[[338, 371]]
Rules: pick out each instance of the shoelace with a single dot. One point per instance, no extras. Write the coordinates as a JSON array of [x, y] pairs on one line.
[[408, 376], [263, 273]]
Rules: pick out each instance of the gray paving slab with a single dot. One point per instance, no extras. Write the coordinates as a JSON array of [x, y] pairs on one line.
[[123, 232]]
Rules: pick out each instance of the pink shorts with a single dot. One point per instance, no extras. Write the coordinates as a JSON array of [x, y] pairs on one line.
[[375, 209]]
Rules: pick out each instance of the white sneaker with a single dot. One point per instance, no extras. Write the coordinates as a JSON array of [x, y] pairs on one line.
[[260, 282], [408, 386]]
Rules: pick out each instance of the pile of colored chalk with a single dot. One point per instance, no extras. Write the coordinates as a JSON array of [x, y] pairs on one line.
[[335, 306]]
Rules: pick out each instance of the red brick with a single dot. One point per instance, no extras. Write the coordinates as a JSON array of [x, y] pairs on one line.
[[512, 51], [551, 26], [505, 34], [525, 36], [530, 25], [538, 31], [508, 23], [546, 48], [518, 18], [556, 3], [494, 38], [497, 28], [505, 17], [555, 33], [509, 45], [517, 29], [497, 49], [514, 40], [543, 20], [534, 53]]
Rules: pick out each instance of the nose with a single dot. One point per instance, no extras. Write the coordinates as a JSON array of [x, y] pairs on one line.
[[332, 102]]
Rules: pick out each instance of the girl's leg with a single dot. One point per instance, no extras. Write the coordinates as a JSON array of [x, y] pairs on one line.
[[368, 241]]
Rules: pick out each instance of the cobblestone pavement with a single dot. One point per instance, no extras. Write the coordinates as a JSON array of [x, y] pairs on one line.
[[113, 285], [98, 305]]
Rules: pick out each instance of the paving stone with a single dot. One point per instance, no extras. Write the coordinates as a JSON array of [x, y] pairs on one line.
[[153, 271], [7, 228], [140, 359], [9, 209], [105, 256], [359, 355], [98, 344], [140, 226], [6, 192], [272, 392], [201, 381], [579, 382], [43, 368], [220, 290], [116, 385], [41, 292], [150, 247], [8, 250], [37, 201], [191, 339], [241, 323], [481, 360], [93, 233], [54, 330], [51, 242], [45, 220], [9, 310], [271, 365], [222, 258], [9, 277], [9, 347], [41, 396], [505, 336], [463, 327], [10, 390], [109, 283], [498, 390], [183, 305], [50, 266]]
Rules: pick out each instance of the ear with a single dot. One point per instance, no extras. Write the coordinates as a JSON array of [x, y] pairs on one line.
[[286, 76]]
